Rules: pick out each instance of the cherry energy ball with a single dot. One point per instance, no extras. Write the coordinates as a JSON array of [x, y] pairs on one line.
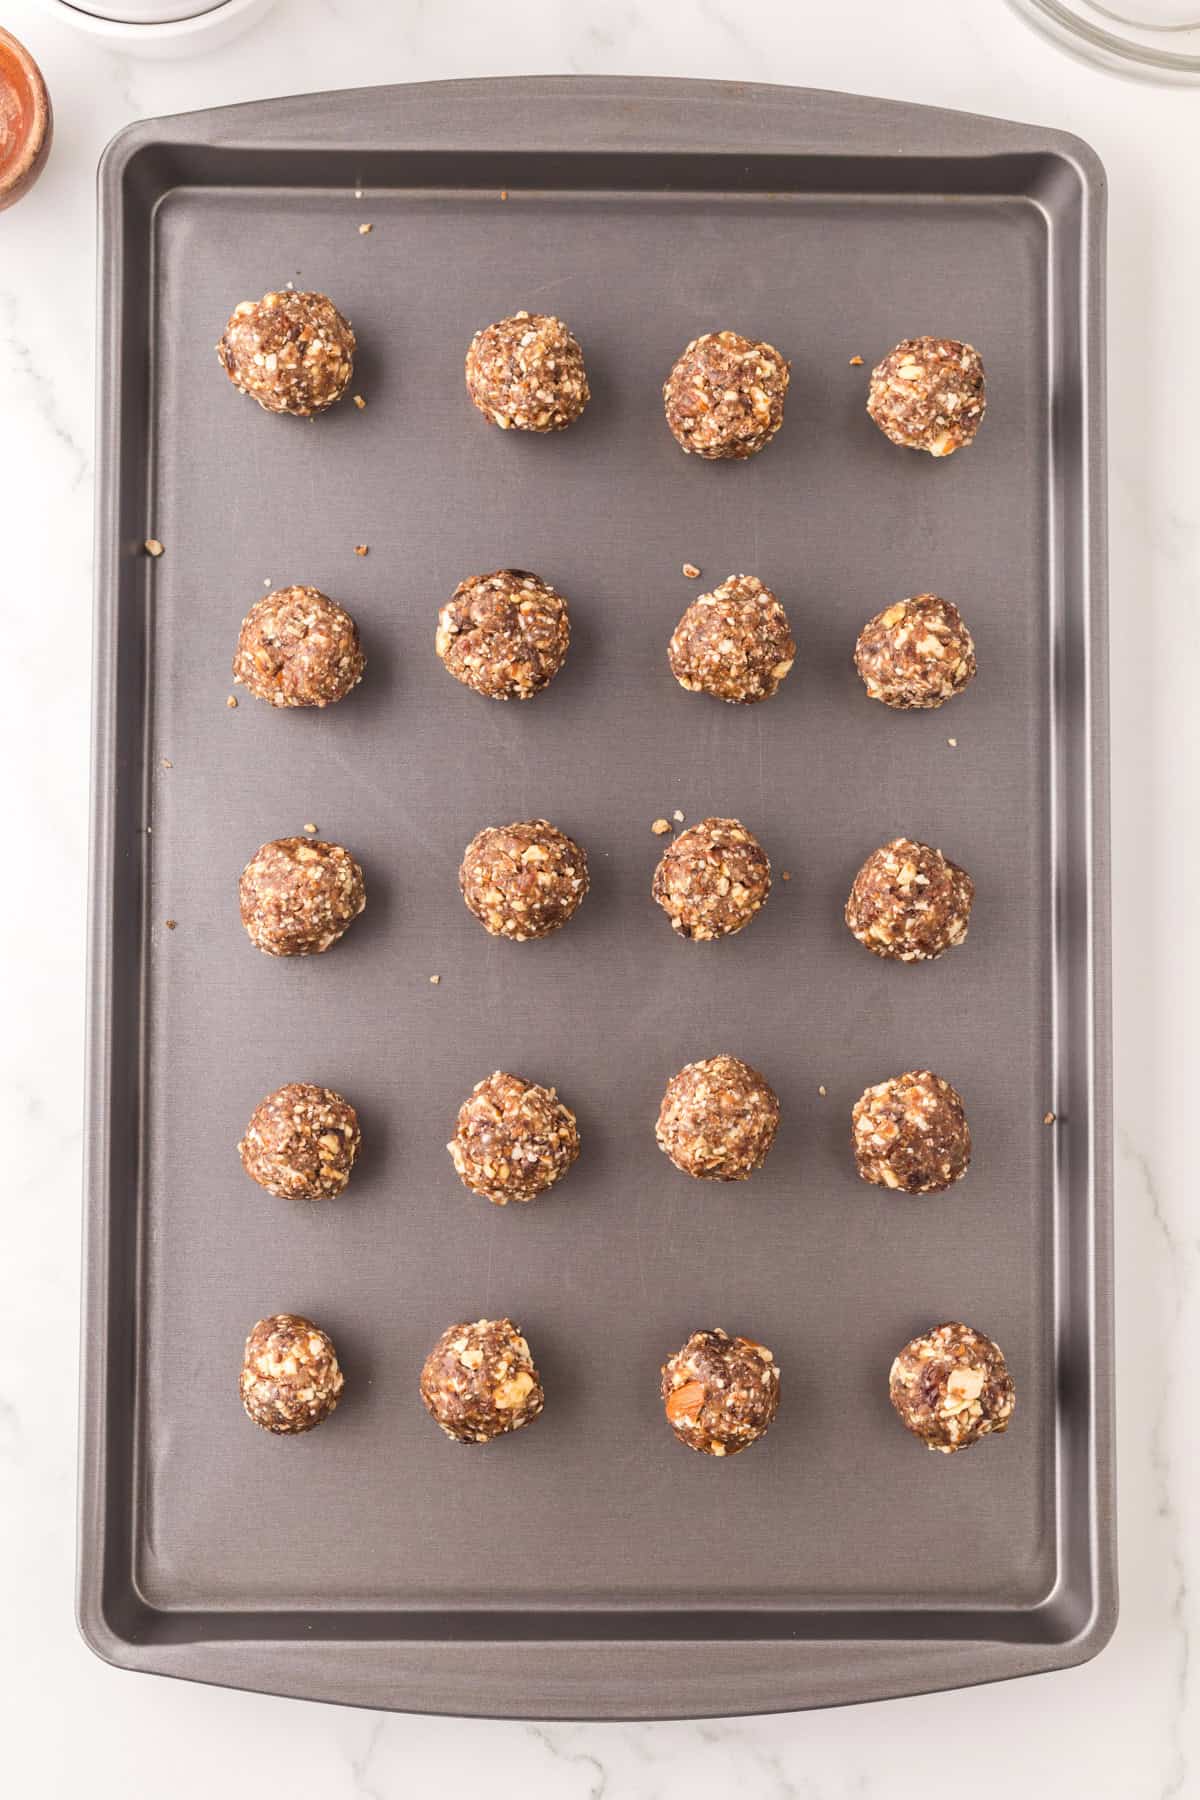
[[513, 1139], [293, 353], [911, 1133], [297, 647], [290, 1375], [298, 895], [479, 1381], [915, 654], [712, 879], [928, 394], [951, 1386], [720, 1393], [724, 397], [734, 643], [718, 1119], [527, 373], [301, 1142], [506, 635], [523, 880], [909, 903]]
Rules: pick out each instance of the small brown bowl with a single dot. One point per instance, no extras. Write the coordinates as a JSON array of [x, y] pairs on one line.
[[26, 121]]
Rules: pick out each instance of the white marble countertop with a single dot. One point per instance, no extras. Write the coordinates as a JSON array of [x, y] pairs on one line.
[[1127, 1724]]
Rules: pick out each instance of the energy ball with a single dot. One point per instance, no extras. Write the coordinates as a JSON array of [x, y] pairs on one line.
[[928, 394], [298, 895], [734, 643], [915, 654], [301, 1142], [911, 1133], [513, 1139], [718, 1119], [506, 635], [712, 879], [293, 353], [523, 880], [479, 1381], [290, 1375], [951, 1386], [720, 1393], [297, 647], [909, 903], [526, 373], [724, 397]]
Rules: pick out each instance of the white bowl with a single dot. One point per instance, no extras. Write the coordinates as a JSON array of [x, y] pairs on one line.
[[161, 27]]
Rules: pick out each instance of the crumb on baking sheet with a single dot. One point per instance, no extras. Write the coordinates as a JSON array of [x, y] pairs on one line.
[[504, 193], [953, 743], [166, 762], [677, 815], [170, 924], [152, 547], [785, 874], [822, 1090], [361, 549], [691, 571], [660, 827], [434, 980], [311, 830], [1049, 1118], [365, 229], [360, 402], [231, 703], [856, 362]]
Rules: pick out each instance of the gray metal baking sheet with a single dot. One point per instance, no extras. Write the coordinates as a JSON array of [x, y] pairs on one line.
[[590, 1566]]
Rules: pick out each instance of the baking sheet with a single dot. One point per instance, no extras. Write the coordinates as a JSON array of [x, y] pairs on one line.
[[372, 1561]]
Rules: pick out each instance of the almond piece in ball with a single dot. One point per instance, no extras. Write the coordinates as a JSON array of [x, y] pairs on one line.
[[526, 373], [734, 643], [929, 394], [720, 1393], [297, 647], [292, 352], [951, 1387], [712, 879], [718, 1119], [479, 1381], [724, 397], [513, 1139], [298, 895], [909, 903], [290, 1376], [911, 1134], [915, 654], [301, 1142], [506, 635], [523, 880]]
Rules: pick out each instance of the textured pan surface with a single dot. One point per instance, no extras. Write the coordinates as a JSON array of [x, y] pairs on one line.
[[354, 1563]]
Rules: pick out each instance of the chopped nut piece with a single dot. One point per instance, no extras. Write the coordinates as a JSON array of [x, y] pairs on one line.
[[1049, 1118], [719, 1393], [822, 1090], [785, 875], [359, 402], [691, 571], [311, 830], [365, 230], [232, 700], [479, 1381], [660, 827], [504, 193], [361, 549], [953, 743], [856, 362], [170, 924], [152, 547], [166, 762], [677, 816]]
